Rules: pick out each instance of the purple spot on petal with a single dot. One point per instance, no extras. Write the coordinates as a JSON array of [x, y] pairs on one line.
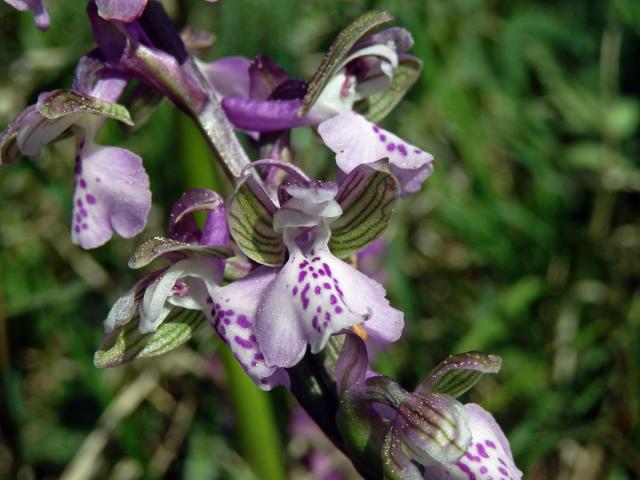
[[90, 199], [503, 471], [391, 147], [303, 296], [417, 150], [333, 300], [327, 270], [403, 150], [481, 451], [78, 217], [227, 321], [83, 183], [319, 309], [489, 444], [77, 229], [483, 469], [295, 291], [79, 202], [98, 179], [338, 309], [301, 276], [464, 467], [317, 290], [314, 275], [83, 212], [252, 338], [243, 321], [327, 286], [382, 137], [243, 343], [84, 226], [376, 128]]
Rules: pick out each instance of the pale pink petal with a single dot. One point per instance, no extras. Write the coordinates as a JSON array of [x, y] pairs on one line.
[[111, 194], [232, 311], [355, 140]]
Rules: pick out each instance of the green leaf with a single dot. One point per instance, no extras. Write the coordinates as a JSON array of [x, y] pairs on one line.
[[346, 39], [63, 102], [250, 220], [154, 247], [458, 373], [377, 106], [367, 197], [127, 343]]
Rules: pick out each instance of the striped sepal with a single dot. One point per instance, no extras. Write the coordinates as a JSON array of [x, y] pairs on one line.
[[459, 373], [154, 247], [396, 463], [332, 61], [64, 102], [433, 427], [367, 197], [250, 219], [377, 106], [126, 343]]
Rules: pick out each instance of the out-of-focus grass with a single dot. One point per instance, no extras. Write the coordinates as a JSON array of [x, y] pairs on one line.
[[525, 242]]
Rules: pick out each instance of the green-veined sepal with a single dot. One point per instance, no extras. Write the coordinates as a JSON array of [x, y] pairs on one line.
[[458, 373], [127, 343], [250, 219], [367, 196], [155, 247]]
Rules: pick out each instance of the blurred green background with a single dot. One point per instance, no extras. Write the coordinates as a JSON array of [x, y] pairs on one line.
[[525, 243]]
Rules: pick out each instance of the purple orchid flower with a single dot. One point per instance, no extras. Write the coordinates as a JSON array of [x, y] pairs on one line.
[[111, 187], [260, 97], [191, 283], [40, 14], [368, 69], [314, 294]]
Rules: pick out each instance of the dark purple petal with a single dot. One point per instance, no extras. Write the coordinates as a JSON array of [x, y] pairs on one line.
[[182, 224], [264, 115], [215, 231], [229, 76], [120, 10], [40, 14], [111, 195], [352, 365], [264, 77]]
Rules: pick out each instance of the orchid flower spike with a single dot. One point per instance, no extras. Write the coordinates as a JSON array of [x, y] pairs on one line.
[[314, 294], [111, 187]]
